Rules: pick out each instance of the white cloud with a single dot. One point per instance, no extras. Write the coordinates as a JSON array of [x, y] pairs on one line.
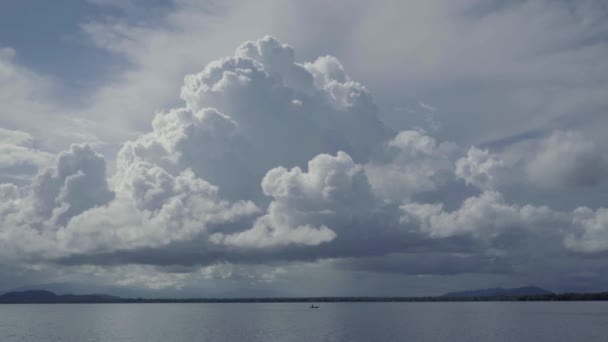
[[567, 159], [263, 111], [77, 183], [153, 209], [591, 231], [32, 214], [70, 210], [414, 163], [29, 106], [486, 215], [20, 159], [161, 194], [261, 114], [307, 204], [480, 168], [504, 86]]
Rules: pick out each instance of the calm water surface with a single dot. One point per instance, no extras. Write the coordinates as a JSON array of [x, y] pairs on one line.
[[433, 322]]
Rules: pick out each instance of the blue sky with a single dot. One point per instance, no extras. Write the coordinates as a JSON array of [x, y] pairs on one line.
[[194, 147], [49, 40]]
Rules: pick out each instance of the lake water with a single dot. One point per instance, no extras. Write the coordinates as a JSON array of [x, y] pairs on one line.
[[432, 322]]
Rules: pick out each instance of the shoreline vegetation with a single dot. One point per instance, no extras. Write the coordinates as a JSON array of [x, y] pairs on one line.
[[47, 297]]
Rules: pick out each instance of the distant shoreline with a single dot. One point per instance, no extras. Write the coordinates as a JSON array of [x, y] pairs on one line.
[[46, 297]]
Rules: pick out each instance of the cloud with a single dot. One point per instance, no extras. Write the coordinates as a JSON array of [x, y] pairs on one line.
[[274, 160], [153, 209], [253, 115], [411, 163], [69, 210], [487, 87], [487, 97], [193, 174], [77, 183], [591, 235], [20, 158], [567, 158], [33, 214], [481, 169], [23, 94], [333, 189], [485, 216], [33, 120]]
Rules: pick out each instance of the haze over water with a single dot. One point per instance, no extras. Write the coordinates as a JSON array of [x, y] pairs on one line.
[[437, 322]]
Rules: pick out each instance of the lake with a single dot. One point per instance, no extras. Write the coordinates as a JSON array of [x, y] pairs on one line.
[[284, 322]]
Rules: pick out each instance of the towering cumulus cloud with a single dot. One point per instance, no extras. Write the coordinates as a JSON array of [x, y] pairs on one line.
[[200, 168], [270, 159], [76, 184], [283, 113], [334, 188]]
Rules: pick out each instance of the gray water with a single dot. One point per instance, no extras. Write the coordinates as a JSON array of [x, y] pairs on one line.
[[433, 322]]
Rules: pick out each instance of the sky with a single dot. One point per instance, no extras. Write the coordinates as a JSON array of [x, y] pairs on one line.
[[303, 148]]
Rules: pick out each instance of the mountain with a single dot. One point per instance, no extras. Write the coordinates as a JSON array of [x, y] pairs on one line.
[[500, 292], [527, 293], [43, 296]]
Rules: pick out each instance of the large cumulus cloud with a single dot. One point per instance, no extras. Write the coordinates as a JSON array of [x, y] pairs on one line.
[[154, 209], [285, 113], [304, 203], [200, 164], [32, 215], [272, 160], [77, 183]]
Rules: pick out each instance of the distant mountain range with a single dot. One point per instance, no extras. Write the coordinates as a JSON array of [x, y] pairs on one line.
[[528, 293], [500, 292], [42, 296]]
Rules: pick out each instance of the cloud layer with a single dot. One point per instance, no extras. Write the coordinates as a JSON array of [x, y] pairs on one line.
[[272, 161]]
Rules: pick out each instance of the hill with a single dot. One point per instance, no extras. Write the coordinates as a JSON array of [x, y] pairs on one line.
[[528, 293], [43, 296]]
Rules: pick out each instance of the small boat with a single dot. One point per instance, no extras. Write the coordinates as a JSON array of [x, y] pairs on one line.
[[312, 306]]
